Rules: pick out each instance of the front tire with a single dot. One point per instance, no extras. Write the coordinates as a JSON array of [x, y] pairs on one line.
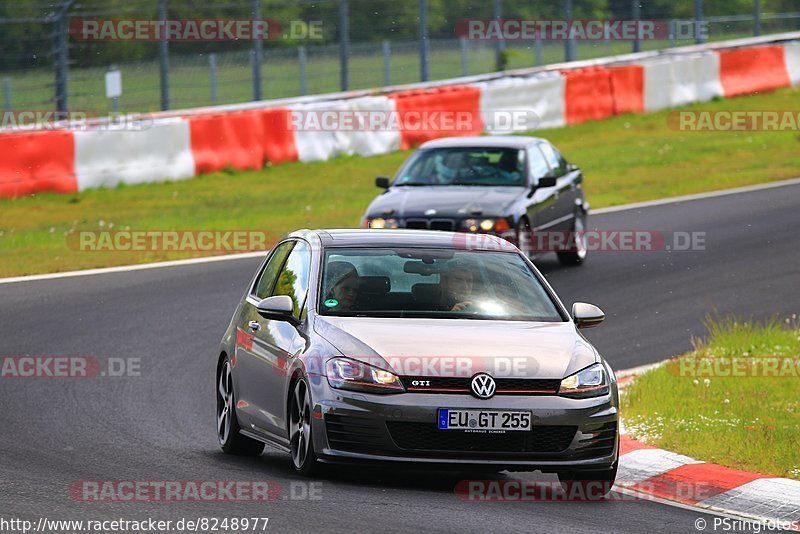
[[577, 250], [228, 435], [301, 443]]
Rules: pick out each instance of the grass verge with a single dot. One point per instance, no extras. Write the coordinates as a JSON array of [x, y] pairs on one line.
[[625, 159], [731, 401]]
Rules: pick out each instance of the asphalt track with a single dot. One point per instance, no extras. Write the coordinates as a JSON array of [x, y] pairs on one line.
[[160, 425]]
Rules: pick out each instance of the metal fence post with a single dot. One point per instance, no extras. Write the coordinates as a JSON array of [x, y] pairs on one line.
[[387, 63], [301, 61], [636, 12], [7, 94], [344, 44], [757, 16], [258, 52], [569, 44], [698, 21], [212, 73], [462, 41], [61, 55], [673, 30], [537, 50], [163, 56], [499, 44], [424, 52]]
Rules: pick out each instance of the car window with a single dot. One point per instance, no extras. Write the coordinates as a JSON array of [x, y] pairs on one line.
[[538, 164], [554, 158], [293, 278], [433, 283], [477, 166], [268, 276]]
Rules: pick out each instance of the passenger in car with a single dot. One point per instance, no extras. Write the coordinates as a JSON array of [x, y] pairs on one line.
[[343, 283]]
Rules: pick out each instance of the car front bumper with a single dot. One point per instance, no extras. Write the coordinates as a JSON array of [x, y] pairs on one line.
[[566, 434]]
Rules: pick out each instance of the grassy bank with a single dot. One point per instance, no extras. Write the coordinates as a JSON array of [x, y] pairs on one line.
[[732, 401], [625, 159]]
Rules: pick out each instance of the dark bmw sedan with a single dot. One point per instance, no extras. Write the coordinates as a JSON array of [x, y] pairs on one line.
[[408, 346], [518, 188]]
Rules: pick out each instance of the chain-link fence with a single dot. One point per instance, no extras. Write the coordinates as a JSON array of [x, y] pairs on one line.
[[321, 46]]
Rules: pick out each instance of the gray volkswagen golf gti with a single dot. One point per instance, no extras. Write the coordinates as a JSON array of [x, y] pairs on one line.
[[414, 346]]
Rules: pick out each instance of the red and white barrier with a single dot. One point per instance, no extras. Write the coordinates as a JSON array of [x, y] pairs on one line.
[[536, 100], [253, 135], [33, 162], [107, 158], [677, 80], [754, 69], [345, 127], [791, 54]]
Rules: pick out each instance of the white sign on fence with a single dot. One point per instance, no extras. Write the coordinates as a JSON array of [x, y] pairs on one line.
[[113, 84]]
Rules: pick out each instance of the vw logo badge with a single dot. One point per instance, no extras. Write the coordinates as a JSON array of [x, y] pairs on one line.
[[483, 386]]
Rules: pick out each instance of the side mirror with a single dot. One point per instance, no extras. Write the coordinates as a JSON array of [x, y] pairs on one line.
[[547, 181], [572, 167], [279, 307], [587, 315], [382, 182]]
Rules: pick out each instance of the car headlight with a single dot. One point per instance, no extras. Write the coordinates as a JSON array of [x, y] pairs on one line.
[[380, 222], [589, 382], [344, 373], [486, 225]]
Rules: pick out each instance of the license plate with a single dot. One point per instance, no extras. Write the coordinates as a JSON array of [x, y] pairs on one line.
[[483, 420]]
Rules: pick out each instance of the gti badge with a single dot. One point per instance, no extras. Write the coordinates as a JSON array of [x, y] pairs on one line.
[[483, 386]]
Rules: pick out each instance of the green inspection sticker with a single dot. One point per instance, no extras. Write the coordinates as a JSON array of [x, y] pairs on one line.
[[330, 303]]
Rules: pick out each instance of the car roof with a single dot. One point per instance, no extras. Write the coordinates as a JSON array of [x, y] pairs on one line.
[[368, 238], [494, 141]]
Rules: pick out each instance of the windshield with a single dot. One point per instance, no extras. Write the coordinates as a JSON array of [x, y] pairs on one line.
[[388, 282], [464, 166]]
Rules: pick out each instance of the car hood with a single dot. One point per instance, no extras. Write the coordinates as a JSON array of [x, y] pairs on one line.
[[449, 201], [460, 347]]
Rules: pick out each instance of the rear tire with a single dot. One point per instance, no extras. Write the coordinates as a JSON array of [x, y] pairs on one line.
[[228, 429], [576, 251]]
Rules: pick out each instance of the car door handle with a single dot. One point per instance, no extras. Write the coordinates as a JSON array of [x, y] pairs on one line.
[[254, 326]]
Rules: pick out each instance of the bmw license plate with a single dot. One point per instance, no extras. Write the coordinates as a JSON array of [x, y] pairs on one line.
[[483, 420]]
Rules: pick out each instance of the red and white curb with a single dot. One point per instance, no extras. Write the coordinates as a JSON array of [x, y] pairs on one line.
[[665, 475]]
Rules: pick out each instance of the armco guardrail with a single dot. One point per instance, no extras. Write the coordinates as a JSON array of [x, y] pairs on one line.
[[182, 144]]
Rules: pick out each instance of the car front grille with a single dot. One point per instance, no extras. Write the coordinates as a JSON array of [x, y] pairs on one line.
[[445, 225], [428, 437], [459, 385]]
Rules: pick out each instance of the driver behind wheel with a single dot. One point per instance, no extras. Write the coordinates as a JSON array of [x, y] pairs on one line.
[[456, 285], [343, 283]]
